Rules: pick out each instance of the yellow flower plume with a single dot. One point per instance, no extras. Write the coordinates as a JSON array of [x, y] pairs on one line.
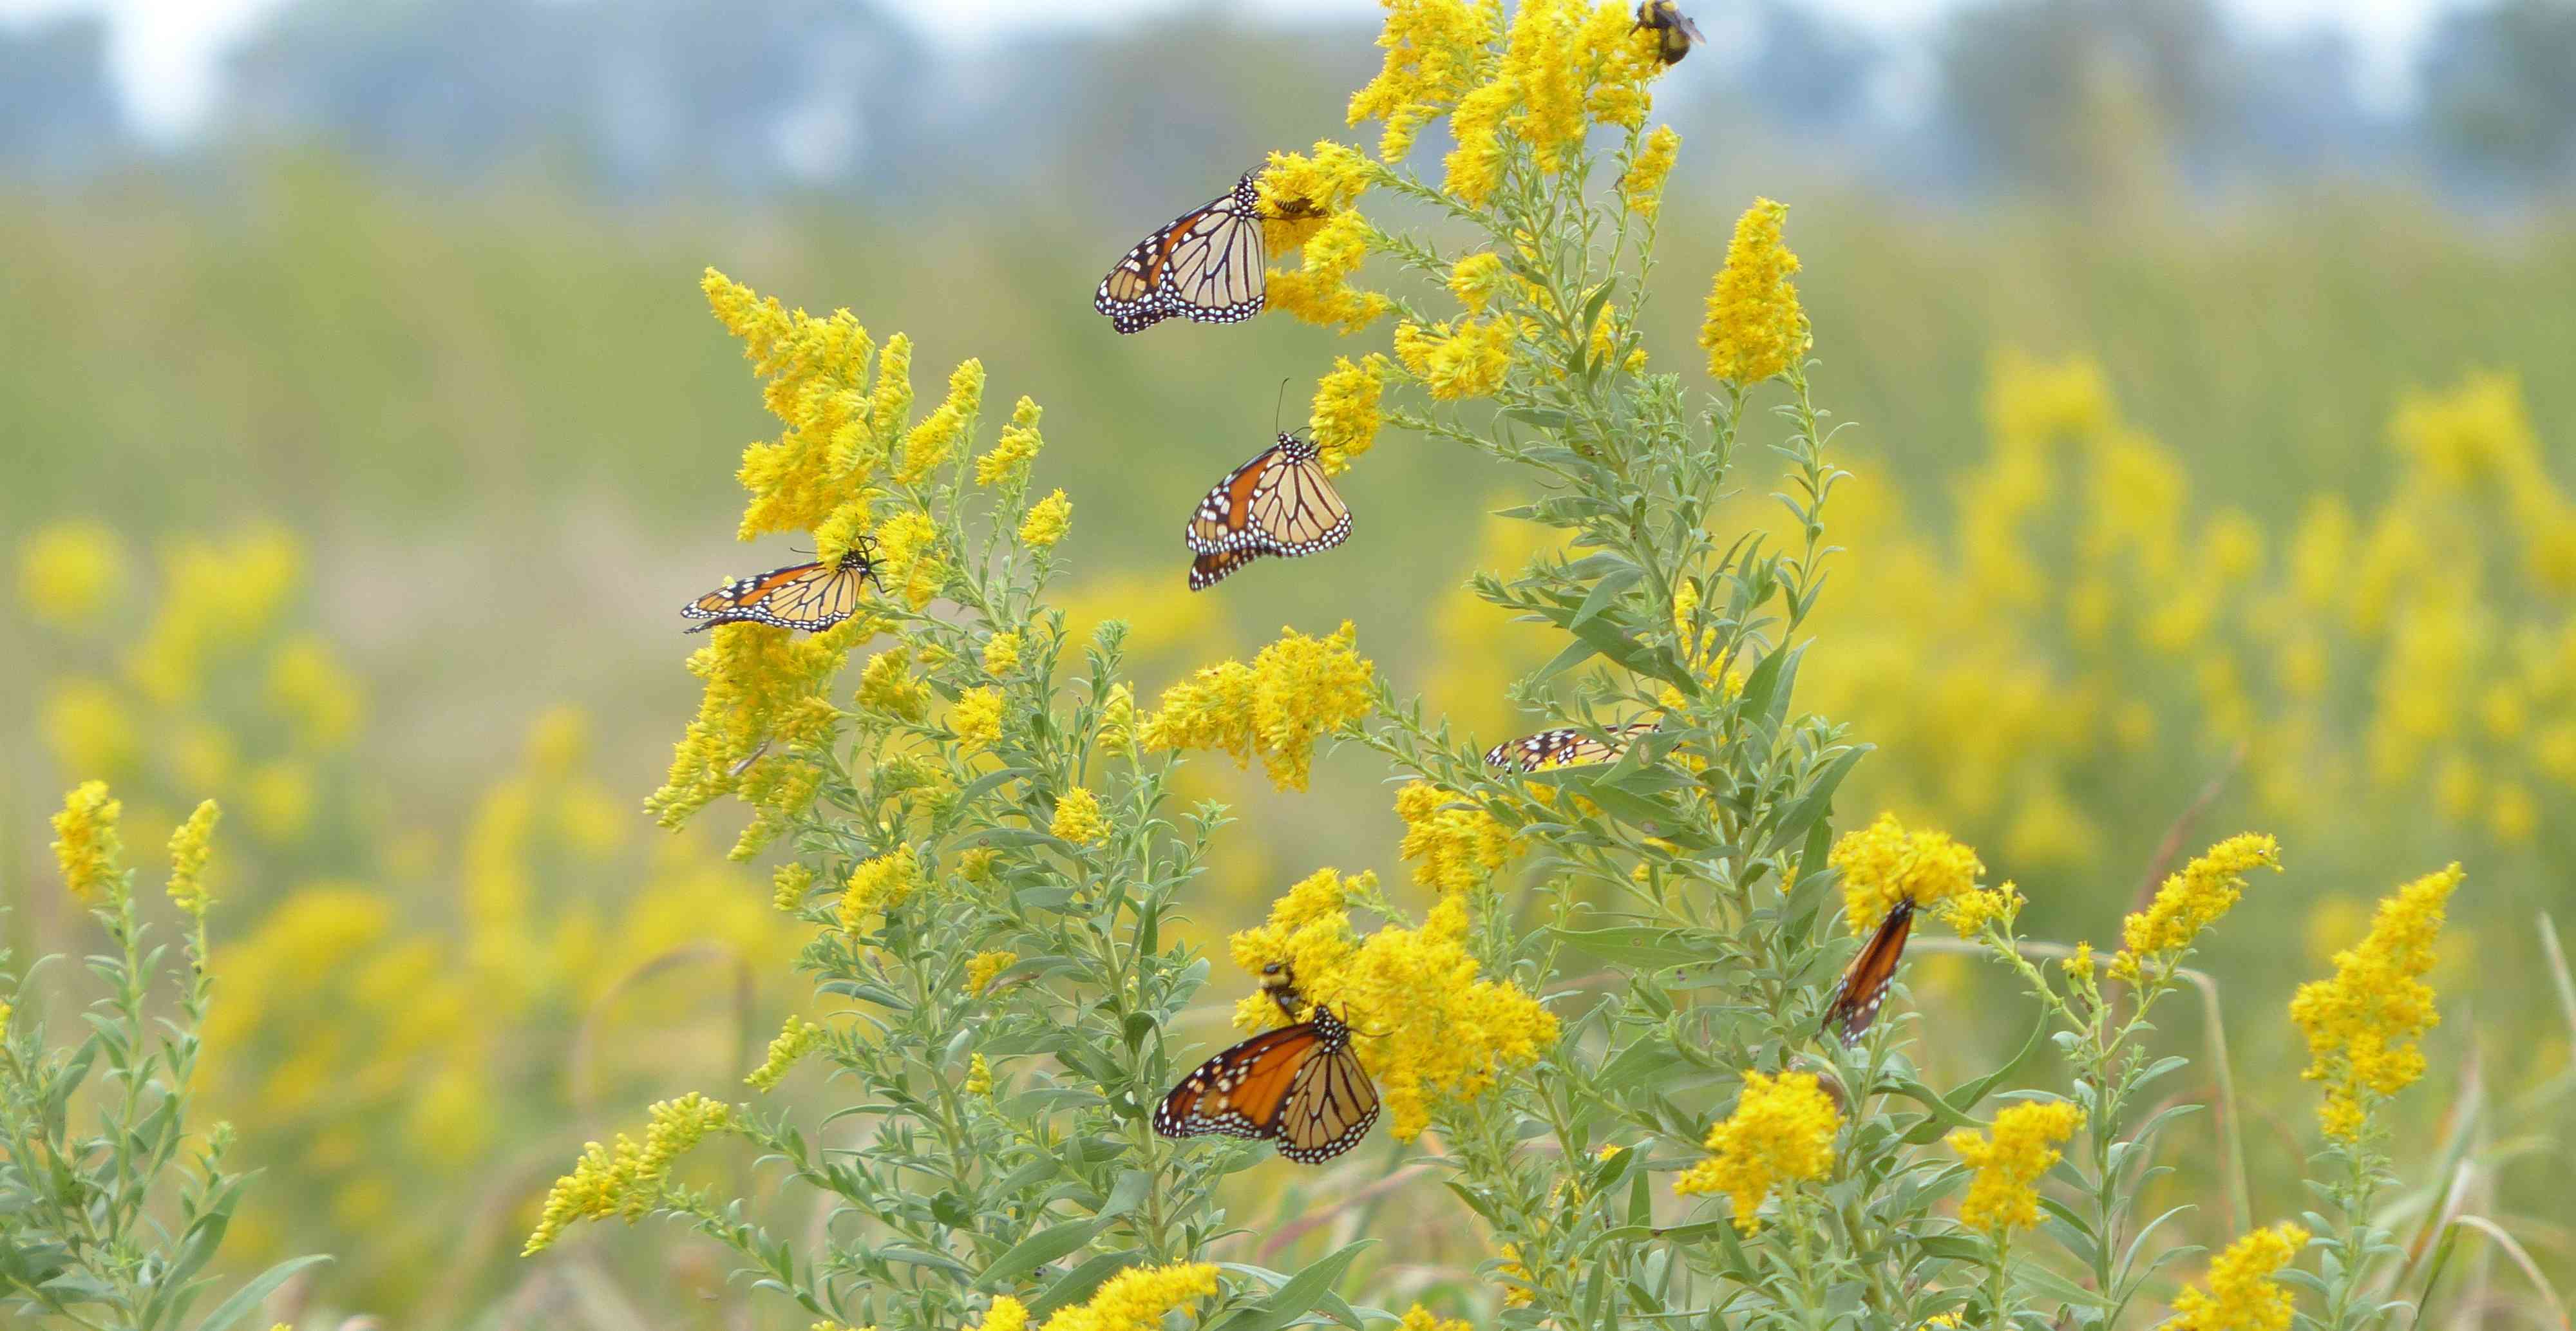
[[190, 847], [2361, 1024], [1435, 49], [1755, 328], [2192, 900], [86, 844], [1077, 818], [2004, 1194], [1345, 417], [1884, 864], [1468, 359], [1781, 1131], [2243, 1294], [1459, 846], [1319, 290], [1296, 691], [627, 1179]]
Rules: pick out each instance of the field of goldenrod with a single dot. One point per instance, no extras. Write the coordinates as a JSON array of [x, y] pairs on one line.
[[370, 520]]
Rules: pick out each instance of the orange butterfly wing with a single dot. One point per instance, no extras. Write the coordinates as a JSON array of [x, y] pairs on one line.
[[1864, 984], [1240, 1092]]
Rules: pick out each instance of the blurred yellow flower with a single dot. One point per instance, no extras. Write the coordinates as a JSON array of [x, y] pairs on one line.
[[1884, 864], [322, 698], [86, 844], [189, 848], [1419, 1318], [1642, 188], [1458, 845], [627, 1179], [1433, 51], [2361, 1024], [68, 571], [2004, 1195], [790, 885], [792, 1043], [2193, 900], [877, 886], [983, 966], [1077, 818], [2243, 1295], [1755, 328], [1345, 416], [1018, 445], [1781, 1131], [1047, 521], [2478, 433], [278, 798], [1467, 360], [1296, 691], [88, 727]]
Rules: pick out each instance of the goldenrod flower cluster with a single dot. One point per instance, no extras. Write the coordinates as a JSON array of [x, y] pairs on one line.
[[762, 687], [2004, 1195], [1755, 328], [930, 443], [887, 687], [1429, 1026], [1047, 521], [86, 844], [877, 886], [1345, 416], [2192, 900], [215, 598], [1419, 1318], [976, 718], [1435, 50], [1467, 359], [627, 1178], [1002, 653], [2244, 1294], [1567, 65], [983, 966], [1642, 187], [1296, 691], [1781, 1131], [1458, 846], [1014, 450], [1319, 289], [1300, 193], [1884, 864], [791, 1043], [190, 847], [1077, 818], [1135, 1299], [2361, 1024]]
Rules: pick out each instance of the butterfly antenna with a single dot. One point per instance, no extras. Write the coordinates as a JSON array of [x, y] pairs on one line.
[[1277, 406]]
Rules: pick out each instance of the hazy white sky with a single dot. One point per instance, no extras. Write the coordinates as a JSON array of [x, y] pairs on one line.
[[165, 52]]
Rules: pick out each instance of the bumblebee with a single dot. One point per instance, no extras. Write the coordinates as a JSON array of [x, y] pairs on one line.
[[1675, 34]]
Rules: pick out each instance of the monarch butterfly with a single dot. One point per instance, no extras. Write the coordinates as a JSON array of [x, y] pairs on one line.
[[1276, 504], [811, 597], [1206, 264], [1864, 983], [1300, 1086], [1562, 748], [1674, 32]]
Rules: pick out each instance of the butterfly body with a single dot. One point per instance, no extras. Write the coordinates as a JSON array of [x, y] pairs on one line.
[[1675, 34], [1563, 748], [812, 597], [1865, 982], [1278, 503], [1301, 1085], [1205, 265]]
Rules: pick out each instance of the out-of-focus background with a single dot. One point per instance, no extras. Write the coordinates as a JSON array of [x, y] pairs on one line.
[[2207, 363]]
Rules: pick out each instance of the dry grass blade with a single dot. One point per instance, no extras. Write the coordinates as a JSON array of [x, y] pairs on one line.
[[2558, 972], [2170, 849], [584, 1043], [2513, 1249]]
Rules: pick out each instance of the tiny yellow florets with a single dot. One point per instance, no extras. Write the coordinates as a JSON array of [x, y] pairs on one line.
[[930, 443], [1319, 290], [792, 1042], [1755, 328], [86, 844], [790, 885], [1345, 416], [1782, 1131], [2004, 1195], [189, 848], [1012, 452], [627, 1179], [1296, 691], [1300, 193], [2361, 1024], [2193, 900], [983, 966], [1458, 846], [877, 886], [2243, 1295], [1001, 654], [1077, 818], [1884, 864], [1642, 188], [1434, 50], [976, 718], [1047, 521], [1468, 359], [1135, 1299], [1476, 279], [887, 687]]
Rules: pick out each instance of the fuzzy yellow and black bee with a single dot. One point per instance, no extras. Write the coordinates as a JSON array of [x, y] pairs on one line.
[[1675, 34]]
